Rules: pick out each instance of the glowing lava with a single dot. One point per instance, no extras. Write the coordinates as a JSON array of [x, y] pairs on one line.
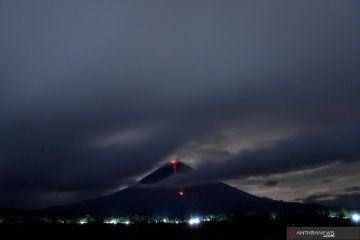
[[174, 162], [181, 193]]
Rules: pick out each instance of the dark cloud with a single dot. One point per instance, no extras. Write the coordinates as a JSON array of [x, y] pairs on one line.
[[317, 198], [327, 181], [271, 183], [335, 200], [353, 189], [95, 94]]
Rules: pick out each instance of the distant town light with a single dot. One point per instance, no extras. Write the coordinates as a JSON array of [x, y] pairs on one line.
[[127, 222], [165, 220], [194, 221], [82, 222], [112, 221], [356, 217]]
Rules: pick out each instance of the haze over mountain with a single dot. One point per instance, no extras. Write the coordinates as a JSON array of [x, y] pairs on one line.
[[146, 197]]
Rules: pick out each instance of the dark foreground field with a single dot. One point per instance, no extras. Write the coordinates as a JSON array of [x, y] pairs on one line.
[[256, 228], [100, 231]]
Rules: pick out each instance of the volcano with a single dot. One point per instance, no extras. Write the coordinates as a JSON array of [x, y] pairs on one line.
[[147, 199]]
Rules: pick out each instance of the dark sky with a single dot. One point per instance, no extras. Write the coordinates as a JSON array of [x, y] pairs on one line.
[[262, 94]]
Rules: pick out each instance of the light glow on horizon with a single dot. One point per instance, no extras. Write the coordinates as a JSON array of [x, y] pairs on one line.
[[112, 221], [194, 221], [355, 217]]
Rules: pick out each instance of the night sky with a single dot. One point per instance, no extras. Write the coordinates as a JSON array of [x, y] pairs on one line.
[[264, 95]]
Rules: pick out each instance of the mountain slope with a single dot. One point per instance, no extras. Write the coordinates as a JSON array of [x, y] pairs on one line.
[[164, 172]]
